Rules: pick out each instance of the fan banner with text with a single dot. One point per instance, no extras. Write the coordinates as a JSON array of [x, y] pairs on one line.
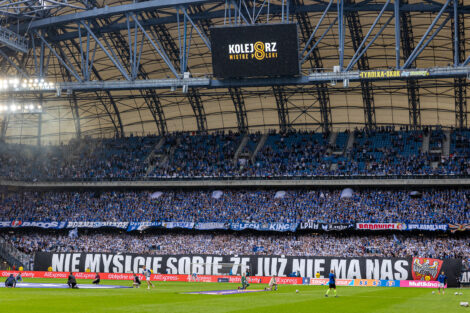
[[374, 268]]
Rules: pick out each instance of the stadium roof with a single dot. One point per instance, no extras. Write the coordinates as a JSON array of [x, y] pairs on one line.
[[63, 29]]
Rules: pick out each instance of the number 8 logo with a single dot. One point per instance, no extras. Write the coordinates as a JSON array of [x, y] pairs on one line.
[[259, 50]]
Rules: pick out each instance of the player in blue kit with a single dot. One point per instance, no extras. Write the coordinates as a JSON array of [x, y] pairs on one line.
[[332, 283], [442, 279]]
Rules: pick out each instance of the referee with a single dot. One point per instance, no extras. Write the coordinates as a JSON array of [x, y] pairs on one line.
[[332, 284]]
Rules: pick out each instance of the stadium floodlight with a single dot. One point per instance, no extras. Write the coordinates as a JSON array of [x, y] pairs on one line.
[[27, 84], [25, 108]]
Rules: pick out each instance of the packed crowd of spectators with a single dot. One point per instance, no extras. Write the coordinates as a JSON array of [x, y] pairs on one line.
[[227, 244], [380, 152], [201, 155], [386, 152], [434, 206], [122, 158], [292, 154]]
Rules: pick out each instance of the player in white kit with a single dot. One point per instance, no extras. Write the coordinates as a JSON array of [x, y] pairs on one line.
[[147, 273]]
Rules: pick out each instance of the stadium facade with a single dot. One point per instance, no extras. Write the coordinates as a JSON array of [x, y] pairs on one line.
[[118, 68], [170, 119]]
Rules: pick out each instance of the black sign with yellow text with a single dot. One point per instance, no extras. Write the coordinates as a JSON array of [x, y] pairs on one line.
[[255, 51], [393, 74]]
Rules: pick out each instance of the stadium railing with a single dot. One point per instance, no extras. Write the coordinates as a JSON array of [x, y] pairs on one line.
[[14, 256], [261, 182], [248, 178]]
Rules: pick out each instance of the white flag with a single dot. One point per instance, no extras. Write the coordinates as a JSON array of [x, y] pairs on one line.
[[280, 194], [73, 233], [217, 194], [346, 193], [156, 195]]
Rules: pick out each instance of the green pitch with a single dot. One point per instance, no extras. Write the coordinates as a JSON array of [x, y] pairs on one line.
[[170, 297]]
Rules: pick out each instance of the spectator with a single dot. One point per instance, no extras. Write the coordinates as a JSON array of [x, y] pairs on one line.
[[433, 206], [338, 245]]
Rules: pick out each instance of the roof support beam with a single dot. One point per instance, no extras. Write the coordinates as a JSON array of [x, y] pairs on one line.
[[76, 114], [357, 56], [194, 97], [157, 46], [150, 96], [460, 90], [314, 46], [124, 51], [118, 127], [325, 107], [174, 53], [340, 8], [21, 72], [111, 11], [73, 104], [153, 5], [414, 105], [412, 86], [397, 32], [461, 102], [4, 126], [198, 108], [316, 63], [216, 13], [456, 33], [13, 40], [420, 47], [361, 50], [357, 37], [161, 34], [38, 142], [201, 34], [282, 109], [314, 31], [312, 79], [62, 59], [235, 93], [240, 110], [110, 53]]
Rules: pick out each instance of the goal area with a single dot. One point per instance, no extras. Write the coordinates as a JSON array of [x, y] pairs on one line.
[[219, 268]]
